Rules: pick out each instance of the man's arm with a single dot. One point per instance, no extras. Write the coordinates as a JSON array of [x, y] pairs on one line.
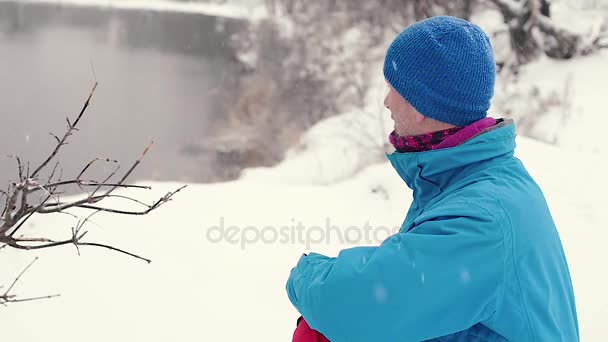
[[443, 276]]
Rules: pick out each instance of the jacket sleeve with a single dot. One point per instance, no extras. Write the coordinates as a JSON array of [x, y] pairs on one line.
[[443, 276]]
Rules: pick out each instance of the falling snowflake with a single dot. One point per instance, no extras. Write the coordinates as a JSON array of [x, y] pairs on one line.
[[380, 294], [465, 276]]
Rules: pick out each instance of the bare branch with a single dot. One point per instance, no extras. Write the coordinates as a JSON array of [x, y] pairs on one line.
[[12, 299], [113, 249], [7, 297], [76, 241], [29, 214], [19, 167], [91, 163], [22, 239], [128, 198], [57, 207], [53, 189], [10, 206], [71, 127], [19, 276], [105, 180], [93, 70], [85, 204], [20, 206], [56, 138], [128, 173], [21, 223], [82, 183], [53, 172], [5, 194]]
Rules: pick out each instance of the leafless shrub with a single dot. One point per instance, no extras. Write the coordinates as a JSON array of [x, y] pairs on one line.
[[35, 193]]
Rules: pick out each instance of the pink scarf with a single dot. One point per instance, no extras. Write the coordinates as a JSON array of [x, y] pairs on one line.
[[439, 139]]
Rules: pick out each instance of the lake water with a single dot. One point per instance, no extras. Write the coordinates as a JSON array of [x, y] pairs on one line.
[[163, 76]]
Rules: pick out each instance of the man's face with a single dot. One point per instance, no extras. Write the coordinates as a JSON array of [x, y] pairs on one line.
[[403, 114]]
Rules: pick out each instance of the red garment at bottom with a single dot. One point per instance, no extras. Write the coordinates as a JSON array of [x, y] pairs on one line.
[[304, 333]]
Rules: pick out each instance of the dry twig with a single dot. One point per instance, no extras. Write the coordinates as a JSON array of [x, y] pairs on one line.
[[20, 204], [8, 297]]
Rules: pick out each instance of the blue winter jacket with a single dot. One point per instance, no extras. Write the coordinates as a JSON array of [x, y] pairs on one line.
[[478, 258]]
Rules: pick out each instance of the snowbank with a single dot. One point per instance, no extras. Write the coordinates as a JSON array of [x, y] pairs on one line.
[[581, 84], [335, 148]]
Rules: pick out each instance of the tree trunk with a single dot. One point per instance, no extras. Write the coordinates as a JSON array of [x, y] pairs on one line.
[[523, 42], [533, 32]]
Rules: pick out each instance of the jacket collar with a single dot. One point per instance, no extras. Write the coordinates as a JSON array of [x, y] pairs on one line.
[[429, 173]]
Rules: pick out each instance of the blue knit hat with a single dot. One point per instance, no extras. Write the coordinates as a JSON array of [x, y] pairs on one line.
[[444, 67]]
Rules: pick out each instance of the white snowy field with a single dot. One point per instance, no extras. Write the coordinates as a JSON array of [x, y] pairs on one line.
[[233, 290]]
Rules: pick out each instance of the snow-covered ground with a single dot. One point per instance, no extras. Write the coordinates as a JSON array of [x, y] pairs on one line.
[[199, 289]]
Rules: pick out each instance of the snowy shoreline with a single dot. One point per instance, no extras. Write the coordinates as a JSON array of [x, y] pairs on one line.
[[228, 11]]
